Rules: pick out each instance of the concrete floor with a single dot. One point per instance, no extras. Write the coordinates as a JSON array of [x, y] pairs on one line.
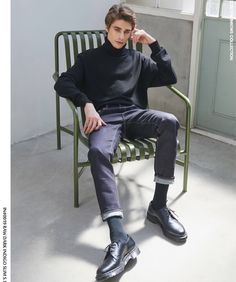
[[54, 242]]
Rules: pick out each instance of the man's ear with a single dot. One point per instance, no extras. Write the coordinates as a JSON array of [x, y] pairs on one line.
[[132, 31], [106, 29]]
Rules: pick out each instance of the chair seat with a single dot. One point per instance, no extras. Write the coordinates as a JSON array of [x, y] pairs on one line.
[[136, 149]]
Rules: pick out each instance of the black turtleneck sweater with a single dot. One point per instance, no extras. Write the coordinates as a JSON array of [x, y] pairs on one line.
[[107, 75]]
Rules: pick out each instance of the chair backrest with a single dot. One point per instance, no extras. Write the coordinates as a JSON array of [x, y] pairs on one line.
[[69, 43]]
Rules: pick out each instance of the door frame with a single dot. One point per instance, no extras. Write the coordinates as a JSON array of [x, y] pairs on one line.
[[198, 24], [196, 55]]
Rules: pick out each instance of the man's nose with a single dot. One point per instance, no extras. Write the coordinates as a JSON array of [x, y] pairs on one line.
[[121, 35]]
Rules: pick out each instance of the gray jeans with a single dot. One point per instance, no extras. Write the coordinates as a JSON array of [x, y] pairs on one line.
[[131, 122]]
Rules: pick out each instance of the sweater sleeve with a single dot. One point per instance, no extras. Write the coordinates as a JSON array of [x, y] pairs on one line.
[[70, 83], [158, 71]]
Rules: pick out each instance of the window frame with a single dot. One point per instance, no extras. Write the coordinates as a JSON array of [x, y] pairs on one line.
[[162, 8]]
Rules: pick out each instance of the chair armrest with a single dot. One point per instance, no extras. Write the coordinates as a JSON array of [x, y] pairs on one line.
[[55, 76], [182, 96], [76, 129], [77, 132], [186, 101], [187, 118]]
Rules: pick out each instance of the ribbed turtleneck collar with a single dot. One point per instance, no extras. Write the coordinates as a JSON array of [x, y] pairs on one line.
[[112, 50]]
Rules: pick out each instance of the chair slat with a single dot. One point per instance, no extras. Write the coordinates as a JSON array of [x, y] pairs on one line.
[[130, 44], [178, 148], [104, 33], [150, 147], [98, 37], [75, 45], [115, 158], [67, 49], [140, 150], [145, 153], [139, 47], [123, 152], [82, 41], [131, 148], [90, 38]]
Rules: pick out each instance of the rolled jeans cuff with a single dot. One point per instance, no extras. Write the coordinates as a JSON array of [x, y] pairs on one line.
[[162, 180], [108, 214]]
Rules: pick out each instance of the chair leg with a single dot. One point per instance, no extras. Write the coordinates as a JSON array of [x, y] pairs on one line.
[[186, 157], [185, 177], [58, 122], [76, 187], [119, 171], [75, 168]]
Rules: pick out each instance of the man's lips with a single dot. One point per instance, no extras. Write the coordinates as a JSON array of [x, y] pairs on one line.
[[118, 42]]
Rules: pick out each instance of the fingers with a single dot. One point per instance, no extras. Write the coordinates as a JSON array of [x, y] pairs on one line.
[[141, 36], [93, 124], [93, 120], [90, 126], [137, 35], [103, 122]]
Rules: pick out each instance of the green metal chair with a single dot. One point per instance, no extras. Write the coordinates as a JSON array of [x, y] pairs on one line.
[[67, 45]]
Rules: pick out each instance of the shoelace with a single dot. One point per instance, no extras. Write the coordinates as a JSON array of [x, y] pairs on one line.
[[172, 213], [111, 248]]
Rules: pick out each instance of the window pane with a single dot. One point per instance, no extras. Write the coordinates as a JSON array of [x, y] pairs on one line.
[[146, 3], [170, 4], [186, 6], [212, 8], [228, 9]]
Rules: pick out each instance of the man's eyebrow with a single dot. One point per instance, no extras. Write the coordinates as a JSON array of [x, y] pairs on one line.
[[121, 28]]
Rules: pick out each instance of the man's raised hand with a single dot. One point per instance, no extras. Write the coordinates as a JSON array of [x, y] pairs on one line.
[[141, 36]]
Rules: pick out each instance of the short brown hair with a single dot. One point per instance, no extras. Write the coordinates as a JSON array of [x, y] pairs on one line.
[[120, 12]]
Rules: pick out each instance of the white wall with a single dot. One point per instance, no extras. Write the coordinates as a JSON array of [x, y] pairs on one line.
[[34, 24]]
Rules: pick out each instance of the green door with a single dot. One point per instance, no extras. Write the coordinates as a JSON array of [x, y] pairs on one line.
[[216, 101]]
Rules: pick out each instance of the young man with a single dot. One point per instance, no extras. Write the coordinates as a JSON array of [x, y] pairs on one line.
[[110, 83]]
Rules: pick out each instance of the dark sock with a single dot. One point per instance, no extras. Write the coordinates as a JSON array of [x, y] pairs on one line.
[[160, 196], [116, 227]]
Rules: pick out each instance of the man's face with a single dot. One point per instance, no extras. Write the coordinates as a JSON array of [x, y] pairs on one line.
[[118, 33]]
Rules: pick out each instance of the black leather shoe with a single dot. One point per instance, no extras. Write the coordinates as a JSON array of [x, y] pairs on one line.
[[117, 256], [169, 223]]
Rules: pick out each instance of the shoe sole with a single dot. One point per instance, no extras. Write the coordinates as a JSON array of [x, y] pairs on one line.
[[130, 255], [155, 220]]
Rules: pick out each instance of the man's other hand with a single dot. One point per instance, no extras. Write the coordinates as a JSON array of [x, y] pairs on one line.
[[141, 36], [93, 120]]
